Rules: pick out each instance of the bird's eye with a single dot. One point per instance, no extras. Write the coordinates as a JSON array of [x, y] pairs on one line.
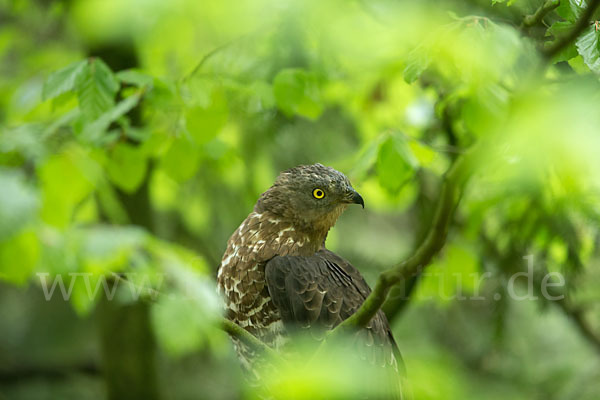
[[318, 193]]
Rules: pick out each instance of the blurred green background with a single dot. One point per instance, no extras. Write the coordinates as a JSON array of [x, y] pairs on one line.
[[136, 135]]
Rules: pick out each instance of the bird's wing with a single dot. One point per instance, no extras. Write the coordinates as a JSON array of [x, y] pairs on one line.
[[318, 292]]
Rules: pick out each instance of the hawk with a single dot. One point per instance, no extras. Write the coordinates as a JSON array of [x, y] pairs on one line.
[[276, 275]]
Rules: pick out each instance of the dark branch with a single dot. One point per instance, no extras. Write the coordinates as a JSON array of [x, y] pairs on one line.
[[581, 323], [537, 17], [580, 25]]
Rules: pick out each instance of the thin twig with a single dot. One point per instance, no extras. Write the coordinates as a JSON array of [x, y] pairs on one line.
[[580, 25], [249, 339], [212, 53], [205, 59]]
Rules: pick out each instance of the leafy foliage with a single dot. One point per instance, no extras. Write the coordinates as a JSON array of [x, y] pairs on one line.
[[134, 139]]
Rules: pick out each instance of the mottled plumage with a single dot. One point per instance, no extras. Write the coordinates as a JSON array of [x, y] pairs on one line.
[[276, 274]]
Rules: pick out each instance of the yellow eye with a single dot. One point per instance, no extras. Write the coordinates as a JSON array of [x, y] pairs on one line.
[[318, 193]]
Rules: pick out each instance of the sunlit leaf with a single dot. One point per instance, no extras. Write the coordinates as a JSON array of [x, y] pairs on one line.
[[18, 257], [395, 164], [64, 185], [416, 65], [204, 121], [367, 159], [570, 9], [588, 45], [135, 77], [126, 167], [424, 154], [335, 371], [181, 160], [454, 276], [63, 80], [96, 89], [104, 241], [94, 130], [485, 109], [18, 202], [559, 30], [182, 325], [297, 92]]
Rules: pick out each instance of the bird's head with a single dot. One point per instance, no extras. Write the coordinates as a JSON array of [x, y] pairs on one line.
[[311, 197]]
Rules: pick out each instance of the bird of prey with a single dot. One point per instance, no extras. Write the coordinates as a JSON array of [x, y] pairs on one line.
[[277, 276]]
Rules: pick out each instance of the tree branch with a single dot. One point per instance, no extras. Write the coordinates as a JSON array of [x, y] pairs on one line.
[[580, 25], [454, 181], [540, 13], [581, 323], [574, 313], [247, 338]]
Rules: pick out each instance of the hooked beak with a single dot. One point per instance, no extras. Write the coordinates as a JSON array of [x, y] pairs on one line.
[[355, 198]]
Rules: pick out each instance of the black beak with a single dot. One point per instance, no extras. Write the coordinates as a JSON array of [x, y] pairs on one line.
[[356, 198]]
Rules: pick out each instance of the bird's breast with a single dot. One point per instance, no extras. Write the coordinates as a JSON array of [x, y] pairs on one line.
[[241, 275]]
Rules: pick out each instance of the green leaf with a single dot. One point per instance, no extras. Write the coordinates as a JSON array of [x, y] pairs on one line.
[[570, 9], [96, 89], [102, 250], [110, 204], [394, 164], [416, 65], [126, 167], [454, 275], [104, 242], [64, 185], [82, 299], [18, 203], [367, 158], [93, 131], [135, 77], [297, 92], [559, 30], [205, 121], [484, 109], [63, 80], [182, 324], [588, 46], [180, 327], [18, 257], [260, 97], [424, 154], [181, 160]]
